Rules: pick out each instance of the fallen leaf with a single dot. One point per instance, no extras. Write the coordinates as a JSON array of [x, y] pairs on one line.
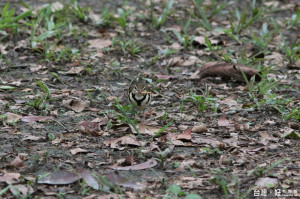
[[33, 118], [10, 178], [146, 165], [75, 70], [229, 101], [199, 128], [115, 178], [92, 128], [16, 163], [78, 150], [166, 77], [31, 137], [266, 182], [59, 178], [125, 140], [295, 65], [174, 61], [75, 105], [206, 141], [99, 43], [228, 70], [17, 189], [12, 118], [89, 178], [176, 46], [223, 121], [291, 134], [146, 129], [274, 59], [186, 135], [200, 41]]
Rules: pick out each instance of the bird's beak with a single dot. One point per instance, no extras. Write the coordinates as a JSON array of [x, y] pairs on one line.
[[145, 92]]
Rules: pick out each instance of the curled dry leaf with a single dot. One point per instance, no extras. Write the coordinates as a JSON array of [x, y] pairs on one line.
[[59, 178], [78, 150], [199, 128], [146, 165], [16, 163], [92, 128], [175, 61], [228, 70], [75, 105], [33, 118], [223, 121], [241, 127]]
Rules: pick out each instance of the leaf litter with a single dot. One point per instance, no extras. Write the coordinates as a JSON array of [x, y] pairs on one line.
[[208, 125]]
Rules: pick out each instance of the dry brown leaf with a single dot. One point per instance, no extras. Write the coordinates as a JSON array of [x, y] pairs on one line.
[[205, 141], [146, 165], [176, 46], [75, 105], [89, 178], [166, 77], [266, 182], [31, 137], [295, 65], [10, 178], [17, 189], [274, 59], [223, 121], [228, 70], [146, 129], [92, 128], [125, 140], [78, 150], [115, 178], [186, 135], [59, 178], [17, 163], [199, 128], [174, 61], [99, 43], [75, 70], [200, 41], [33, 118], [229, 101], [12, 118]]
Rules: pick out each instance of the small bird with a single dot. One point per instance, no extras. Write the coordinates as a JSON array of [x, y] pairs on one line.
[[140, 95]]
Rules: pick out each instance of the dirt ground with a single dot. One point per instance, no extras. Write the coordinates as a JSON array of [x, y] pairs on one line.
[[67, 129]]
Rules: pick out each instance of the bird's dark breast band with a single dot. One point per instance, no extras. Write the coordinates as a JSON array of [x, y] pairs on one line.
[[139, 101]]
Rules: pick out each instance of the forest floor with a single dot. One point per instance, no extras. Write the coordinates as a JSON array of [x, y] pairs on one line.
[[223, 121]]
